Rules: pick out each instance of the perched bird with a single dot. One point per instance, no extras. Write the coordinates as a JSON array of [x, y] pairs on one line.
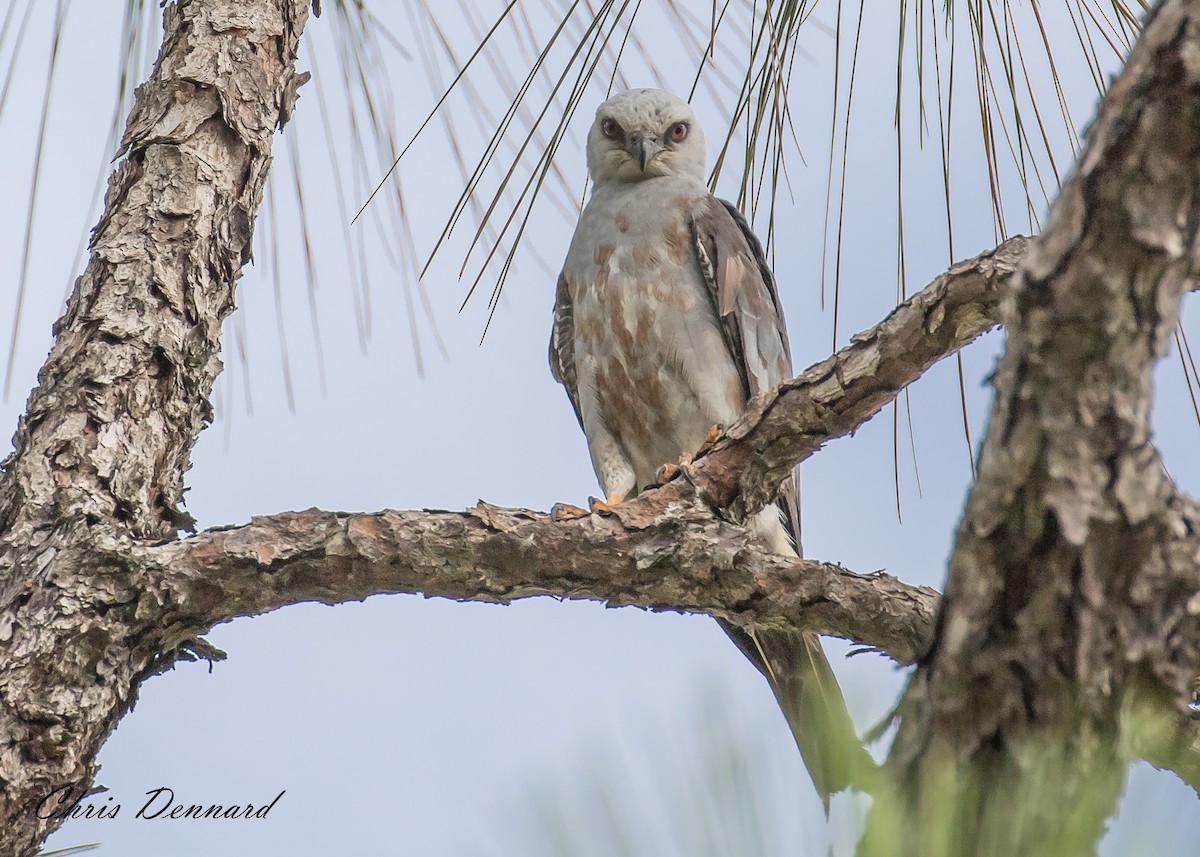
[[666, 322]]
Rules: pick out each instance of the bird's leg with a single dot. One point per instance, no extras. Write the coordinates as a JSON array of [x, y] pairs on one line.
[[607, 503], [669, 470], [613, 469]]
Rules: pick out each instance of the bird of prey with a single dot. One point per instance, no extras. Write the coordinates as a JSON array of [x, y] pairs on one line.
[[666, 322]]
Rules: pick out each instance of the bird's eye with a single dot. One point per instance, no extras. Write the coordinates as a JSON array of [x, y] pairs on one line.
[[610, 129], [679, 132]]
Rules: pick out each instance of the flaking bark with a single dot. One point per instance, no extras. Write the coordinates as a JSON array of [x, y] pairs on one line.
[[102, 449], [832, 398], [1072, 595], [685, 560]]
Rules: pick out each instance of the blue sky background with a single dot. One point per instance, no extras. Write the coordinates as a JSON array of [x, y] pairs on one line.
[[410, 726]]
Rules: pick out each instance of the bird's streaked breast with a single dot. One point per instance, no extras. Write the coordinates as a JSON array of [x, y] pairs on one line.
[[651, 361]]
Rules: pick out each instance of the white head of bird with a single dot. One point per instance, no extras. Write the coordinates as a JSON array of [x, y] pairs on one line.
[[645, 133]]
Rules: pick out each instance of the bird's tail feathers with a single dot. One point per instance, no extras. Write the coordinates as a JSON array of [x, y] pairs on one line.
[[811, 699]]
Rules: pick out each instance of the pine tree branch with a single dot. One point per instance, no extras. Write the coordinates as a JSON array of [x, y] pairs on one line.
[[831, 399], [664, 550], [684, 560]]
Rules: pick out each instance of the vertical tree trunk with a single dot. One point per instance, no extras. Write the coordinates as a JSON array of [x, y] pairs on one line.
[[1065, 599], [102, 450]]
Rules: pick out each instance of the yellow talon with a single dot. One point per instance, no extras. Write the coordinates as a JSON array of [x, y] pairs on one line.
[[606, 504], [566, 512]]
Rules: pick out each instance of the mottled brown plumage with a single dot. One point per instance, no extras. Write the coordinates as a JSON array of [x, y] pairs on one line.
[[666, 322]]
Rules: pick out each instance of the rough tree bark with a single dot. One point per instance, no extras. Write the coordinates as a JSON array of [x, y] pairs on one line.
[[1071, 608], [1070, 514], [101, 451]]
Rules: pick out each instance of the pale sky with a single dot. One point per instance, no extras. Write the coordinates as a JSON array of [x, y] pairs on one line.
[[427, 727]]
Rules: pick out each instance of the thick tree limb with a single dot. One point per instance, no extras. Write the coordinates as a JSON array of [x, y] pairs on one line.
[[741, 473], [832, 398], [686, 560], [1065, 589], [101, 452], [661, 551]]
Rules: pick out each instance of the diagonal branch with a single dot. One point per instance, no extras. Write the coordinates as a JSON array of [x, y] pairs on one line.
[[664, 550], [743, 470]]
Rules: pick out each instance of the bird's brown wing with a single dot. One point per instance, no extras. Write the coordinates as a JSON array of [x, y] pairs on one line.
[[562, 345], [745, 296]]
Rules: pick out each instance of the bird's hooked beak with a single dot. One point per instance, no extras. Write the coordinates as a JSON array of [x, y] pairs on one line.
[[643, 149]]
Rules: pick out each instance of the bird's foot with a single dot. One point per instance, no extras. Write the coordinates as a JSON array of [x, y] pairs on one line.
[[713, 433], [606, 504], [670, 470], [567, 512]]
